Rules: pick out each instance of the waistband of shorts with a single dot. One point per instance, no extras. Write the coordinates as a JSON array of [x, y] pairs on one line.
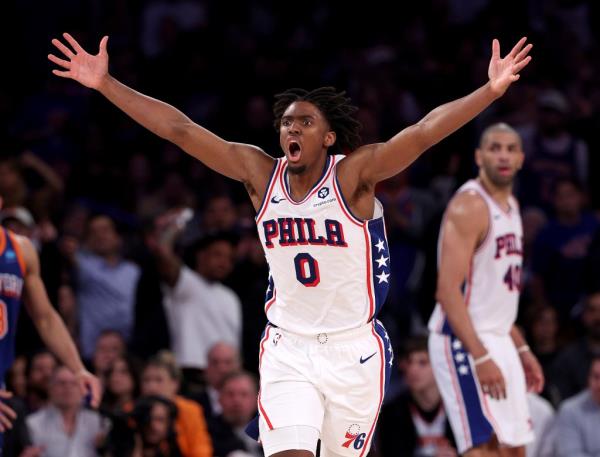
[[343, 336]]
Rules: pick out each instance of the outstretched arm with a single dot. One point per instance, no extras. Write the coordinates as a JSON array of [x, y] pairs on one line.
[[49, 324], [238, 161], [464, 227], [376, 162]]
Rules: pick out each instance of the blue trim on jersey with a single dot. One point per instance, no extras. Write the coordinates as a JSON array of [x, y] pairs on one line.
[[269, 182], [480, 428], [10, 298], [270, 290], [380, 262], [389, 353], [317, 182]]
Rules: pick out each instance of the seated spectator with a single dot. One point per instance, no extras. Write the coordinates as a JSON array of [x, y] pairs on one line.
[[223, 359], [542, 418], [64, 427], [415, 423], [162, 377], [122, 387], [237, 397], [578, 422], [38, 372], [110, 345], [155, 426], [572, 364], [543, 338]]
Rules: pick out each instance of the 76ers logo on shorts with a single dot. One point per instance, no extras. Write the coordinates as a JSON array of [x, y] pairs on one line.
[[354, 437]]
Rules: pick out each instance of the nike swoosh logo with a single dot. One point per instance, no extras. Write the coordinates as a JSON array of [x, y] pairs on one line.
[[364, 360], [274, 200]]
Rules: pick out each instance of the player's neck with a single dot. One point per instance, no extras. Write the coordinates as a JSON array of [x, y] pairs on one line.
[[500, 194], [301, 183]]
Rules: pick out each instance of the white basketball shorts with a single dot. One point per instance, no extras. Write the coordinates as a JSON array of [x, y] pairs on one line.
[[475, 417], [332, 382]]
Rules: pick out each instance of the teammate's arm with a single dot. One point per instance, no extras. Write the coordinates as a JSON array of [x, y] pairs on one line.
[[376, 162], [49, 324], [534, 375], [464, 228], [238, 161]]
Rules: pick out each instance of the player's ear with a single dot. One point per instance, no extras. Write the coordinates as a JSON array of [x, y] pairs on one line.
[[329, 140], [478, 160]]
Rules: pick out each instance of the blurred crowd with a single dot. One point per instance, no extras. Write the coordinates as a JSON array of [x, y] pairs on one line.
[[153, 260]]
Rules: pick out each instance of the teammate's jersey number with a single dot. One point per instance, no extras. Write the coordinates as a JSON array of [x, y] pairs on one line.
[[512, 278], [3, 319], [307, 270]]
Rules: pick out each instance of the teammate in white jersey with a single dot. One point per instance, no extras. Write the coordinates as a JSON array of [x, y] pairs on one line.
[[324, 358], [482, 364]]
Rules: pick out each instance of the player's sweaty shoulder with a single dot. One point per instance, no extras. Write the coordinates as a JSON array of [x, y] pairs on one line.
[[468, 212]]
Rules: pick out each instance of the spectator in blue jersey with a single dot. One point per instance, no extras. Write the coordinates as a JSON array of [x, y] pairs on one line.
[[20, 281]]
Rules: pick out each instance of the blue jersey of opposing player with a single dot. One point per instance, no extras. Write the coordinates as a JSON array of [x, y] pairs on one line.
[[12, 272]]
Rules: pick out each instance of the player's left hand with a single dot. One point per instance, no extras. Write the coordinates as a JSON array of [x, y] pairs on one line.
[[90, 384], [534, 374], [504, 71], [7, 414]]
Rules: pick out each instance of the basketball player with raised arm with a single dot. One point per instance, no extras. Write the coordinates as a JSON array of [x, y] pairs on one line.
[[481, 362], [324, 358]]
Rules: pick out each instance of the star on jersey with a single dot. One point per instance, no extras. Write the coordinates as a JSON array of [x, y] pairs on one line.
[[380, 246], [459, 357], [382, 261], [456, 345], [463, 370], [383, 277]]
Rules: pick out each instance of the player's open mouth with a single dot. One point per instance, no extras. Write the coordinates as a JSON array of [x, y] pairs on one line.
[[294, 151], [504, 170]]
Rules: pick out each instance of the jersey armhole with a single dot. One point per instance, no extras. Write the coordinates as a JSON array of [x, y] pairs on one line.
[[18, 253], [488, 232], [268, 190]]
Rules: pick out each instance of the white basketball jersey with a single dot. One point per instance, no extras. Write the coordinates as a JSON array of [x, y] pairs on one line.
[[329, 271], [493, 282]]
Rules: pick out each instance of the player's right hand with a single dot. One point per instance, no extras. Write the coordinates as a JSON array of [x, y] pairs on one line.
[[81, 66], [491, 380], [7, 414]]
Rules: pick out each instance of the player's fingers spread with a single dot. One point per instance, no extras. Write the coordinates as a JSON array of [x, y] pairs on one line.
[[515, 50], [521, 55], [495, 48], [62, 74], [58, 61], [103, 43], [62, 48], [73, 42]]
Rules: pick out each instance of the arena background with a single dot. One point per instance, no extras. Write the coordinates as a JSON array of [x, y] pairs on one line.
[[67, 154]]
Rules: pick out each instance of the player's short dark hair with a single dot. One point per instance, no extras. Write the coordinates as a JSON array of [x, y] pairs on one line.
[[499, 127], [335, 106]]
